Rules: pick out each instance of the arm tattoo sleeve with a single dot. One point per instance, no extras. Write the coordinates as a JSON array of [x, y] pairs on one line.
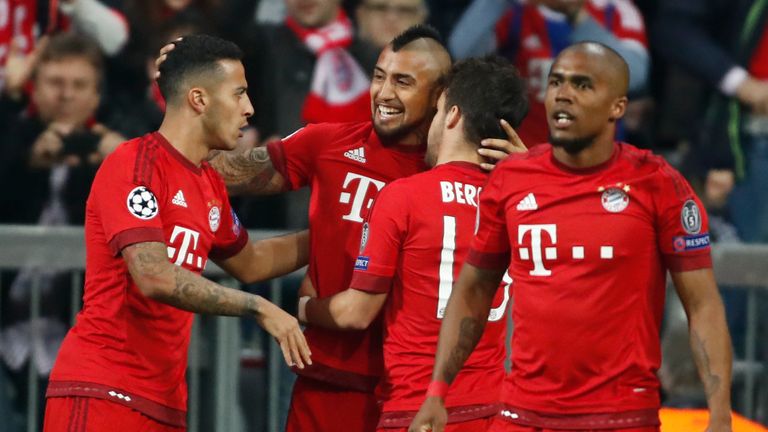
[[184, 289], [470, 332], [250, 172]]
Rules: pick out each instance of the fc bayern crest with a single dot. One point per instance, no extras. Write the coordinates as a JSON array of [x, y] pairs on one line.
[[364, 237], [615, 200], [214, 218], [142, 203], [690, 217]]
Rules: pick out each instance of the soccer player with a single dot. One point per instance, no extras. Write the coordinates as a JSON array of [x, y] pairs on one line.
[[156, 213], [346, 164], [413, 244], [589, 228]]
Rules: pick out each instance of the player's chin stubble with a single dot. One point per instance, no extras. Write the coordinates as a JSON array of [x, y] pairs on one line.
[[572, 146]]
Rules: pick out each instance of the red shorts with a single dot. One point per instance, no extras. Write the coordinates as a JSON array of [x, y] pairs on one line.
[[321, 407], [85, 414], [500, 425], [477, 425]]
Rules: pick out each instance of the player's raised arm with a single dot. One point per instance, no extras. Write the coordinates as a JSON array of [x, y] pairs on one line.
[[465, 317], [159, 279], [350, 309], [249, 172], [269, 258], [710, 341]]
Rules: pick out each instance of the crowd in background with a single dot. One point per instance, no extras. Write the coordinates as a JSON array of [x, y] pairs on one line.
[[76, 79]]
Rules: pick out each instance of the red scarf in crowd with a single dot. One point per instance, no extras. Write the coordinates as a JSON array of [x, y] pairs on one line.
[[339, 91]]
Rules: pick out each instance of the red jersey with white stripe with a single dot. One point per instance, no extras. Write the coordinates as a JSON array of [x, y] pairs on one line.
[[589, 254], [345, 165], [532, 36], [126, 347], [414, 245]]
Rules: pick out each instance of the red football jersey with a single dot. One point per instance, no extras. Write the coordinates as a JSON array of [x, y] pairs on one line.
[[345, 165], [532, 36], [126, 347], [412, 248], [589, 254]]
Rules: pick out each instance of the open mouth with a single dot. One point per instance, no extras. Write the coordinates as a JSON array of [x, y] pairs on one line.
[[387, 112], [563, 119]]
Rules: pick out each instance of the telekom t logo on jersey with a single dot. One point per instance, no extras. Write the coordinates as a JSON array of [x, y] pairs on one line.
[[360, 192], [183, 253], [539, 254]]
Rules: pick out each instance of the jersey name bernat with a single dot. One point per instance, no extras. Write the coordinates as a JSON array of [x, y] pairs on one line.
[[460, 193]]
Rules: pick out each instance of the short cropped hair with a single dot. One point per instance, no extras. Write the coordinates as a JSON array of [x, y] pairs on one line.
[[71, 45], [486, 90], [192, 56], [418, 31]]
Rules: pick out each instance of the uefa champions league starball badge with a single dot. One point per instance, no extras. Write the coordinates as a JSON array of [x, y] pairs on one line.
[[615, 198], [142, 203]]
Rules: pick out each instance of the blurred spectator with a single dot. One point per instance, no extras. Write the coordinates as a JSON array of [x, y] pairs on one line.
[[379, 21], [50, 159], [725, 43], [444, 14], [21, 21], [310, 68], [531, 33]]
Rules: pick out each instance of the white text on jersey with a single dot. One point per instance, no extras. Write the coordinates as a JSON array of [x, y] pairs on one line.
[[460, 192]]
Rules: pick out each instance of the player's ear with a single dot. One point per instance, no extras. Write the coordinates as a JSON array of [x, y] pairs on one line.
[[198, 99], [453, 117], [618, 109]]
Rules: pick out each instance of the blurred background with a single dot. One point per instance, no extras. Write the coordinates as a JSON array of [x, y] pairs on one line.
[[75, 81]]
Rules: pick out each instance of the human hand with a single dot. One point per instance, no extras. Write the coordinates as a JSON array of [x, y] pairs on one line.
[[432, 416], [498, 149], [164, 55], [286, 331], [754, 93], [19, 66], [719, 424], [718, 187], [107, 143], [47, 148]]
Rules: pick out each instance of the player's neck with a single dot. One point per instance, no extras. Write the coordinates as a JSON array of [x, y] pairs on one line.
[[595, 154], [185, 136], [458, 152]]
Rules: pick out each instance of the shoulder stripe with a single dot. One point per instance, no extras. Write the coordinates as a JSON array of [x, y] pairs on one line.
[[145, 159]]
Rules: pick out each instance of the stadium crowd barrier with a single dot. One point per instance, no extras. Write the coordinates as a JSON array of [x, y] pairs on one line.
[[62, 248]]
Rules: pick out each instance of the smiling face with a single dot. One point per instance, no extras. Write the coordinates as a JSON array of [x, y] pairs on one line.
[[404, 91], [584, 99], [229, 108]]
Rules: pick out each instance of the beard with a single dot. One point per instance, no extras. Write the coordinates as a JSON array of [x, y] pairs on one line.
[[572, 146], [398, 134]]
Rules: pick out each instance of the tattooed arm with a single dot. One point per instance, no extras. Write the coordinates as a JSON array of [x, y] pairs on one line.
[[465, 317], [710, 341], [160, 280], [268, 258], [249, 172]]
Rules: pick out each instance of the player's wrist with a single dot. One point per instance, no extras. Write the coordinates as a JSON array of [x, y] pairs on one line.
[[302, 309], [437, 389]]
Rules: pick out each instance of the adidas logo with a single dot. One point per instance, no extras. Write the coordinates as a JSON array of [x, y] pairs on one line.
[[528, 203], [357, 154], [178, 199]]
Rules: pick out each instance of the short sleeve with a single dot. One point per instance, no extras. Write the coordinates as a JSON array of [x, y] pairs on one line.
[[294, 156], [127, 204], [381, 241], [231, 238], [490, 247], [683, 230]]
